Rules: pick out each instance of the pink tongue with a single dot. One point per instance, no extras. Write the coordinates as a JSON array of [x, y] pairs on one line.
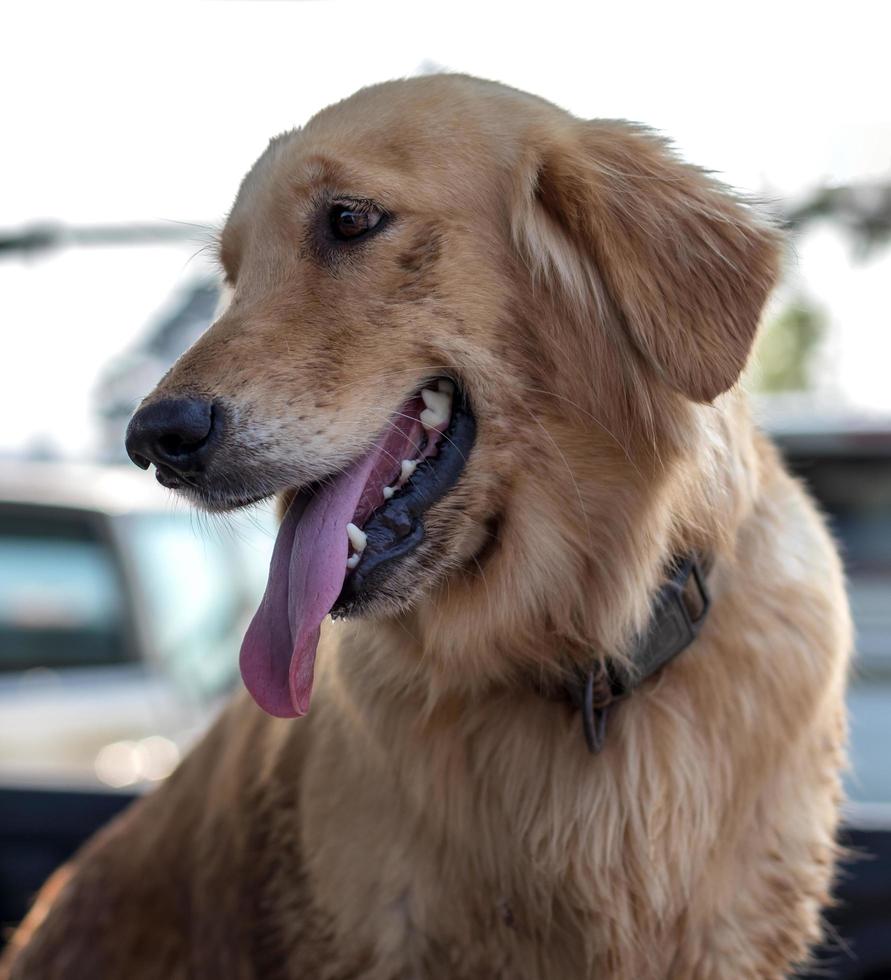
[[307, 572], [305, 578]]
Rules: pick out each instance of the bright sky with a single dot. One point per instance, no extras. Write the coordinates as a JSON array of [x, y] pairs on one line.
[[153, 112]]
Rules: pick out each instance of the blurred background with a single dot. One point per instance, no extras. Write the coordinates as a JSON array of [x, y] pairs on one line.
[[126, 131]]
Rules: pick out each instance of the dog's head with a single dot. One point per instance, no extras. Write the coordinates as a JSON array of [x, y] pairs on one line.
[[466, 324]]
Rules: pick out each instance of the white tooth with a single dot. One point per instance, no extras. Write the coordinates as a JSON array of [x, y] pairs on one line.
[[388, 492], [430, 420], [358, 538], [408, 467], [438, 410], [446, 387], [437, 401], [353, 560]]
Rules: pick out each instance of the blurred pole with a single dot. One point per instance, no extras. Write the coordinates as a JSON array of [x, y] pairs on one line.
[[38, 238]]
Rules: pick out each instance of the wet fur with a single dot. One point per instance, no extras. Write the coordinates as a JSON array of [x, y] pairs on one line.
[[433, 816]]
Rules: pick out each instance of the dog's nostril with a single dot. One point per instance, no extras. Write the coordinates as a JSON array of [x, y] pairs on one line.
[[170, 444], [174, 444], [176, 433]]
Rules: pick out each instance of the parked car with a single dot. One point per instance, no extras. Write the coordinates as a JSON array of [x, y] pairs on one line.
[[120, 618], [846, 462]]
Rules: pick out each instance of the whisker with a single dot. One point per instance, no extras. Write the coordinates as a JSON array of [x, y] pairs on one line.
[[585, 412], [442, 434]]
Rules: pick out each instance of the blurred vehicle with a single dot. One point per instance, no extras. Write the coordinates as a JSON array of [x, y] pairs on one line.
[[846, 462], [121, 613]]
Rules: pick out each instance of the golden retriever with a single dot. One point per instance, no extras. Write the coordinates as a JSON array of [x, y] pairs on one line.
[[503, 344]]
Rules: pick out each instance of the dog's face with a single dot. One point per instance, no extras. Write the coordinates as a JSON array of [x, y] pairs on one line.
[[556, 279]]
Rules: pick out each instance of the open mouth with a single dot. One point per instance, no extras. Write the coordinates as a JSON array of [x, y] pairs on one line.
[[339, 541]]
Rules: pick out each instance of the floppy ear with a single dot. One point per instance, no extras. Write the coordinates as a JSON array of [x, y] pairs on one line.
[[687, 265]]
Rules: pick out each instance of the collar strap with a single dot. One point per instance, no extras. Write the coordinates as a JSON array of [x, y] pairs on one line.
[[679, 610]]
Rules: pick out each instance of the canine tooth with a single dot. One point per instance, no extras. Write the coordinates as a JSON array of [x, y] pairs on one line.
[[408, 467], [388, 492], [436, 401], [358, 538], [446, 387], [439, 407], [353, 560]]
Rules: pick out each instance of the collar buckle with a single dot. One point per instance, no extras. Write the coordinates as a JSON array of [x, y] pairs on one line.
[[679, 611], [681, 607]]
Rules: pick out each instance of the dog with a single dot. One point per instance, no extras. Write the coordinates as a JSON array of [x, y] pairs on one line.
[[578, 709]]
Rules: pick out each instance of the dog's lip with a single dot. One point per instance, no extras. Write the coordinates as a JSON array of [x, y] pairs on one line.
[[221, 503], [209, 497], [395, 529]]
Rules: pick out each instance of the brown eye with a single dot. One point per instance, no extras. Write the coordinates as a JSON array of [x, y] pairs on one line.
[[351, 221]]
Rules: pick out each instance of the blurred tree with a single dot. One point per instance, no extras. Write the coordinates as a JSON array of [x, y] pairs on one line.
[[863, 210], [784, 357]]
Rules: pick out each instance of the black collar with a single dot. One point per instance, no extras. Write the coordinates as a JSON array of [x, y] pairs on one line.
[[679, 610]]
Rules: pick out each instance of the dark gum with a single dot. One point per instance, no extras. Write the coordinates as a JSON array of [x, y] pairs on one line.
[[397, 528]]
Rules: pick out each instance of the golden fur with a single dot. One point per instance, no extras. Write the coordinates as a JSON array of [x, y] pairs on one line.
[[433, 816]]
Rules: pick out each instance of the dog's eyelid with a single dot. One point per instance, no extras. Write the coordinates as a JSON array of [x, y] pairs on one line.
[[226, 263], [351, 219], [358, 202], [224, 266]]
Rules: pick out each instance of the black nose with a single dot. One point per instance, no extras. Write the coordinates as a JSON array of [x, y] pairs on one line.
[[176, 434]]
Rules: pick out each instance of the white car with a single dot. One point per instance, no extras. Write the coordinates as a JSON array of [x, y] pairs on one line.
[[121, 613]]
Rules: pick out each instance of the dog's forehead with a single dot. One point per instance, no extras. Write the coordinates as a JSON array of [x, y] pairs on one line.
[[429, 137], [407, 120]]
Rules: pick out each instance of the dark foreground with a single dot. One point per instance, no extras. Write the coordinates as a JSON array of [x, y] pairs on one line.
[[39, 829]]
